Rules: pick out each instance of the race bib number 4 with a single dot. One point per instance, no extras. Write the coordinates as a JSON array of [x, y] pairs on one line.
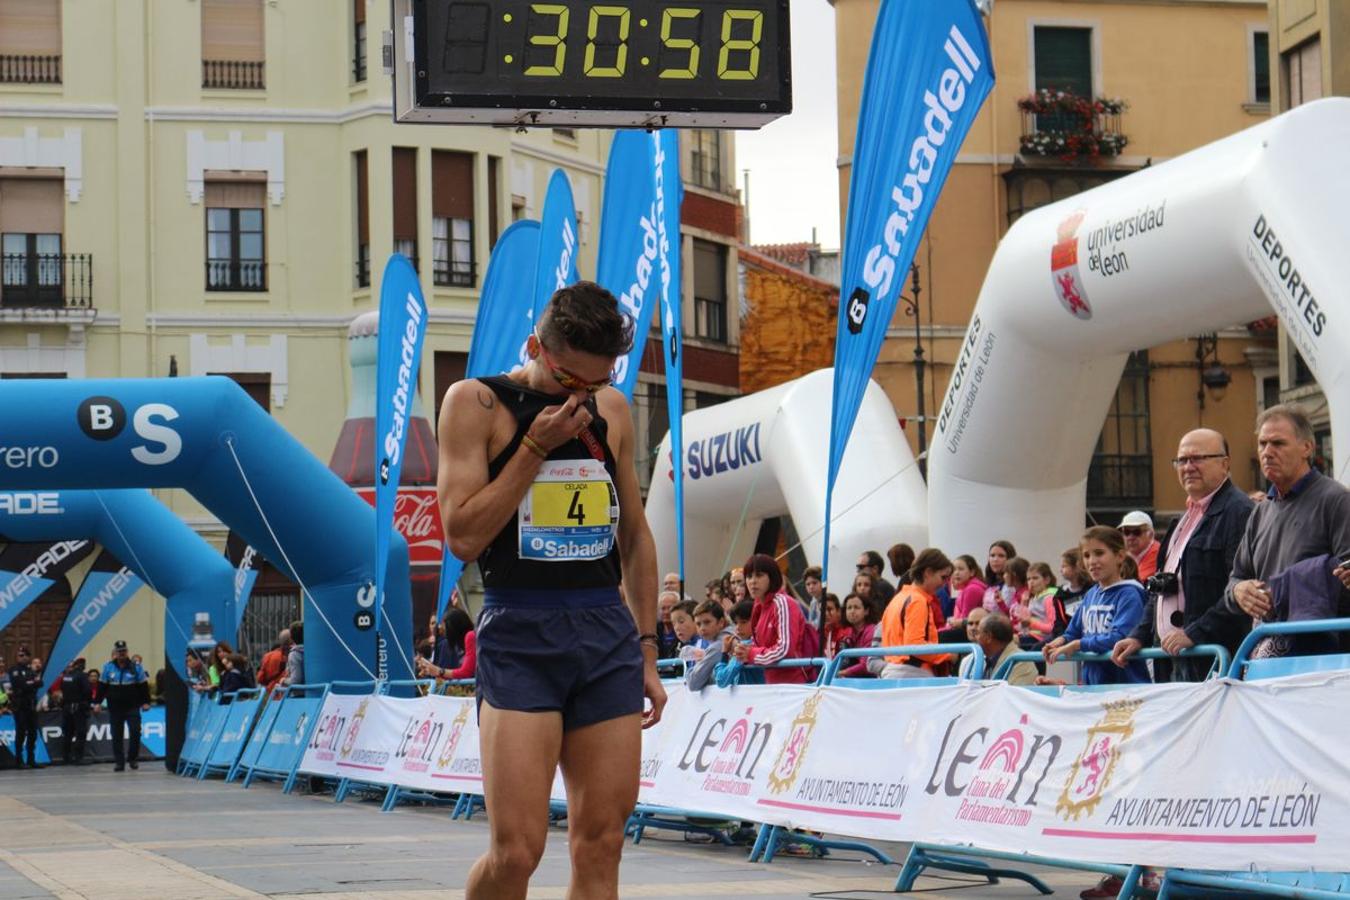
[[569, 513]]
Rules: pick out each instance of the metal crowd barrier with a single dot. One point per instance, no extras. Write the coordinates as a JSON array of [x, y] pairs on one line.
[[292, 712], [1320, 885], [279, 739], [1218, 668], [773, 837]]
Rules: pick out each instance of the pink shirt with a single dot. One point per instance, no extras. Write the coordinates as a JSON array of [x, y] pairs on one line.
[[971, 596], [1195, 511]]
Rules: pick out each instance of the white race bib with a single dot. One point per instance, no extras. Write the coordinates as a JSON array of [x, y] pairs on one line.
[[570, 512]]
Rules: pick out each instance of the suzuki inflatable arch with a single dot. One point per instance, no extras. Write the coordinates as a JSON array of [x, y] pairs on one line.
[[766, 455], [147, 538], [207, 436], [1216, 237]]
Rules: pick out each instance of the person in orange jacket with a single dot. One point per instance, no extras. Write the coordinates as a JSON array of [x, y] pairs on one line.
[[908, 619]]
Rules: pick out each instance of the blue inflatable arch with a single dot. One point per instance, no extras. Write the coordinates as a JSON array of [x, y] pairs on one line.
[[148, 539], [207, 436]]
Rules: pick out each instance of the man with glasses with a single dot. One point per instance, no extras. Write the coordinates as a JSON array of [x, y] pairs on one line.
[[872, 563], [1184, 599], [1140, 542], [538, 483]]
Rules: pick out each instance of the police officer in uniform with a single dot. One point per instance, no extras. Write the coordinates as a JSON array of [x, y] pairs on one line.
[[75, 697], [24, 684], [128, 691]]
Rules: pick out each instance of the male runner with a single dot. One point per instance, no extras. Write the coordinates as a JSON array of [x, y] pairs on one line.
[[537, 483]]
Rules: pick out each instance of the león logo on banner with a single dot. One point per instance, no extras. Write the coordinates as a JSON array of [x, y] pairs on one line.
[[1092, 770], [789, 762], [452, 742], [354, 728], [1068, 280]]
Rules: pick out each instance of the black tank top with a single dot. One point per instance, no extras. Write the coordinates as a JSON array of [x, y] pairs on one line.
[[501, 564]]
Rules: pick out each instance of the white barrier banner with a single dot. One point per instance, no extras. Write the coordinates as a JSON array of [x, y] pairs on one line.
[[340, 721], [1220, 775]]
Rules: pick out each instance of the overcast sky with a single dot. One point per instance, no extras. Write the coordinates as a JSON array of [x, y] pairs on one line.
[[794, 182]]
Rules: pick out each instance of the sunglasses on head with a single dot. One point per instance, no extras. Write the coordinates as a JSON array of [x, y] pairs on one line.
[[1133, 532], [568, 380]]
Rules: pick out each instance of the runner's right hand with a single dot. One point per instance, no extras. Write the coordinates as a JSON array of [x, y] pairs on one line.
[[557, 425]]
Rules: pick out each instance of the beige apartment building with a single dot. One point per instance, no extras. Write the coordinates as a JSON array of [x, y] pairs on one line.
[[1188, 72], [193, 187]]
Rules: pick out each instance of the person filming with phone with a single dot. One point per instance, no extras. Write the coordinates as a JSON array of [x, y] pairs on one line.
[[1292, 561], [1184, 605]]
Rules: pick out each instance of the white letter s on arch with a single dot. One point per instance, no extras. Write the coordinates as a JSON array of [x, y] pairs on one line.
[[151, 431]]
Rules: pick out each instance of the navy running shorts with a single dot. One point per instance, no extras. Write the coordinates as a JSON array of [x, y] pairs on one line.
[[574, 652]]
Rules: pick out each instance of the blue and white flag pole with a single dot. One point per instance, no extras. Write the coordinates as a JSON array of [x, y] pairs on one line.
[[928, 74], [403, 327], [628, 262], [504, 322], [557, 266], [668, 192]]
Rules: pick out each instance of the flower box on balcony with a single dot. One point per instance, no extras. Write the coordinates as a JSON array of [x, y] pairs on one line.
[[1071, 127]]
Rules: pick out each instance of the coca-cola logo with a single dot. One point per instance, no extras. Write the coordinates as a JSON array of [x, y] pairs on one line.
[[417, 517]]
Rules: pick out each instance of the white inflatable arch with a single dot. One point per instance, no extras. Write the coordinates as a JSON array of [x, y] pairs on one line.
[[1219, 236], [765, 455]]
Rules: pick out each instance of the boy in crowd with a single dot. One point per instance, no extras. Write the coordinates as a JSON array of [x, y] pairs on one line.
[[711, 621], [686, 632]]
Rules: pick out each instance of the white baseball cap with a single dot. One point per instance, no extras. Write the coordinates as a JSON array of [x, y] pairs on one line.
[[1135, 519]]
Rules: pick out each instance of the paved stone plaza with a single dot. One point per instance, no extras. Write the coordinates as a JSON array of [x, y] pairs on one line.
[[90, 832]]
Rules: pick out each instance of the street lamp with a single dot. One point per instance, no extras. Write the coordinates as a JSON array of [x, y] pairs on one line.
[[912, 309]]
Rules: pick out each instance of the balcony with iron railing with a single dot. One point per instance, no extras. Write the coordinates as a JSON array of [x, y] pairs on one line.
[[30, 69], [234, 75], [1070, 127], [56, 282], [247, 275]]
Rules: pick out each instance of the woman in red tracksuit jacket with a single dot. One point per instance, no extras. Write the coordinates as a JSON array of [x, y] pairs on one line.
[[779, 629]]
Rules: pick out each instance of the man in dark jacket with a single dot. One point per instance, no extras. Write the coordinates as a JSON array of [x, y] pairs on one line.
[[25, 682], [1185, 609], [127, 689], [75, 697]]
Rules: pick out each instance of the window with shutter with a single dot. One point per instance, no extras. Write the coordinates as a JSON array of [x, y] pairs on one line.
[[1260, 67], [358, 40], [362, 219], [1064, 60], [452, 218], [236, 258], [405, 203], [710, 291], [32, 266], [30, 41], [233, 49]]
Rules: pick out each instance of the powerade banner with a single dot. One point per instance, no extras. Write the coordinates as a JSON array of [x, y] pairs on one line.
[[151, 540], [504, 322], [403, 326], [928, 73], [98, 737], [629, 246], [28, 570], [106, 589], [246, 562], [668, 191], [209, 437], [557, 265]]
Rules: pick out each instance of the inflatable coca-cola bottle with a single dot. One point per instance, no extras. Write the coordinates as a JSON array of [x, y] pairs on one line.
[[415, 512]]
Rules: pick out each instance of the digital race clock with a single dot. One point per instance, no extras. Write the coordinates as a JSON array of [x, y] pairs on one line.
[[706, 63]]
